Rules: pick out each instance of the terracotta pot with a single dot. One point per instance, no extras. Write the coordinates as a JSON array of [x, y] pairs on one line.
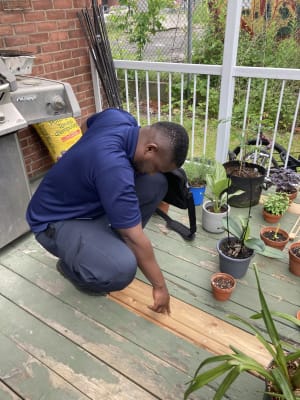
[[280, 245], [272, 218], [220, 279], [294, 261], [298, 315], [163, 206], [292, 195]]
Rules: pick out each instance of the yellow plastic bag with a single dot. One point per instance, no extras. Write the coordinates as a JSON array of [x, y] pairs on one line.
[[58, 135]]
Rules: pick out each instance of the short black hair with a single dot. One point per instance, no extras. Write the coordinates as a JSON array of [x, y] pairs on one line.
[[178, 138]]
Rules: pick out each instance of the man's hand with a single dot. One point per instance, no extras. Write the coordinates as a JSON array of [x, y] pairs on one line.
[[161, 299]]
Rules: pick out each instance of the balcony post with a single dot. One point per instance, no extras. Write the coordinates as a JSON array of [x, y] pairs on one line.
[[231, 41]]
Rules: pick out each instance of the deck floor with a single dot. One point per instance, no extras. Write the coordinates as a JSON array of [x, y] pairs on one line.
[[57, 343]]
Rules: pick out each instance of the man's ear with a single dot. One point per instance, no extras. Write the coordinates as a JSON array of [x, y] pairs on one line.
[[151, 148]]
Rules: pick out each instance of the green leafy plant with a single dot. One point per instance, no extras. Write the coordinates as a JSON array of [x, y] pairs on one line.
[[239, 228], [276, 203], [283, 381], [216, 185], [197, 170]]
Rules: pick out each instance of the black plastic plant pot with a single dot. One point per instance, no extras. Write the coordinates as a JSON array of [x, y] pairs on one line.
[[251, 185]]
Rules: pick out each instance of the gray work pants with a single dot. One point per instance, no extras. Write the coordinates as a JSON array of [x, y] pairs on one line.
[[93, 255]]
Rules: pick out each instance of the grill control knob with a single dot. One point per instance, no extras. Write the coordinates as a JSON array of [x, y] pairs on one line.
[[2, 118], [57, 103]]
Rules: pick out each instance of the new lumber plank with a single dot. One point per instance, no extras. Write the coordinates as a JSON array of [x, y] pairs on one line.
[[195, 325]]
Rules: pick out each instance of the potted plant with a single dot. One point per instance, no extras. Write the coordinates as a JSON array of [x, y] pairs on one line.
[[285, 180], [216, 207], [274, 206], [236, 250], [282, 376], [196, 171], [274, 236], [222, 285], [294, 258], [249, 178]]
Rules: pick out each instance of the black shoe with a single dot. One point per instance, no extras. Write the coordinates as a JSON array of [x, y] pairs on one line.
[[83, 290]]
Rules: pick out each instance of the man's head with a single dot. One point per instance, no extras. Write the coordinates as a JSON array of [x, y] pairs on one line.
[[161, 147]]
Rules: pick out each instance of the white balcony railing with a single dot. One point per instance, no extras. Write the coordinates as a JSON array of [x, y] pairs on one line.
[[220, 105]]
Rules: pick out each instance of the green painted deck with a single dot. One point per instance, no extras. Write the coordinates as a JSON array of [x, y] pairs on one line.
[[57, 343]]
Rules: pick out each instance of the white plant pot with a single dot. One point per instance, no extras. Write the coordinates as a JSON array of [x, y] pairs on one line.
[[212, 222]]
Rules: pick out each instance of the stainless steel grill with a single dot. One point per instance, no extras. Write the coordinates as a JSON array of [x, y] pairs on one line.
[[24, 101]]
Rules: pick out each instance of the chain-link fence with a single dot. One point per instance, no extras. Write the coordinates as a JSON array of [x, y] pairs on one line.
[[163, 32]]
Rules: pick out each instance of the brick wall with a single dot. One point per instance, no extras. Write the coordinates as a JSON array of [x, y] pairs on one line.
[[50, 29]]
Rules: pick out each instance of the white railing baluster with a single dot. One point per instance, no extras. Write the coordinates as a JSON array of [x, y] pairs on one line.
[[181, 97], [158, 96], [147, 98], [170, 97], [206, 114], [245, 118], [293, 129], [137, 97], [276, 122], [194, 116], [126, 90]]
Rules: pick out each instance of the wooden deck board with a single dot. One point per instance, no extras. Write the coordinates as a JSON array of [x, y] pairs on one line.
[[119, 349], [170, 350]]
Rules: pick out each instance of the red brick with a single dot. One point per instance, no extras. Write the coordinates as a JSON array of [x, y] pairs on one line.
[[15, 41], [11, 18], [83, 70], [69, 44], [42, 4], [25, 28], [80, 52], [71, 63], [75, 80], [67, 73], [35, 16], [81, 3], [66, 25], [56, 15], [47, 26], [52, 67], [76, 33], [39, 38], [58, 36], [50, 47], [53, 75], [45, 58], [38, 70], [6, 30], [66, 4]]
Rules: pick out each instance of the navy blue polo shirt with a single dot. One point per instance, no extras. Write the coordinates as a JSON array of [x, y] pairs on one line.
[[94, 177]]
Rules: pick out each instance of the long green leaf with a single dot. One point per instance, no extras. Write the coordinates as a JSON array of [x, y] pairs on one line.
[[259, 336], [203, 379], [283, 384], [271, 329], [227, 382]]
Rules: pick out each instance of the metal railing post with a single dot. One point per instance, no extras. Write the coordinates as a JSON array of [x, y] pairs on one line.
[[232, 31]]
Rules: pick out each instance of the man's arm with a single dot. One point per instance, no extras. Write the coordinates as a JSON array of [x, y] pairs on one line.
[[141, 246]]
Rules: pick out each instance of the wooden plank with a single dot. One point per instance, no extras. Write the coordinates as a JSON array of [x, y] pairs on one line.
[[195, 325], [7, 394], [146, 370], [78, 367], [178, 353], [30, 378]]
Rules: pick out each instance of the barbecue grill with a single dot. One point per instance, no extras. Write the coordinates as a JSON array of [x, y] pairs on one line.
[[24, 100]]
